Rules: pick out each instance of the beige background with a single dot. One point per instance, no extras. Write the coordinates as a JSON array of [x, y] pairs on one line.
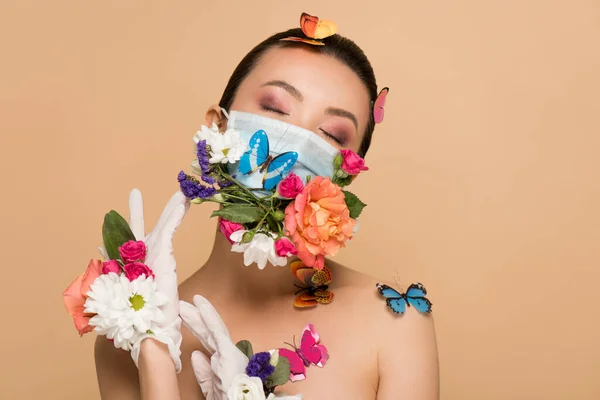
[[484, 181]]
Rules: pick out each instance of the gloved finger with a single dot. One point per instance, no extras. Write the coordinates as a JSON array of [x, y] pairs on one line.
[[163, 264], [192, 320], [103, 252], [211, 318], [204, 374], [177, 199], [136, 214]]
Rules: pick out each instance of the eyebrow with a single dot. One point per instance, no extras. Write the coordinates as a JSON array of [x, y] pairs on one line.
[[339, 112], [287, 87]]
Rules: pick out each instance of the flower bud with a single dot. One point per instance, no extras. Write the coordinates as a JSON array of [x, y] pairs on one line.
[[248, 236], [278, 215]]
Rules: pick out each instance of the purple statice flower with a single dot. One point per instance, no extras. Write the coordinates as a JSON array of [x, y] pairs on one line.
[[259, 366], [203, 158], [192, 188], [225, 184]]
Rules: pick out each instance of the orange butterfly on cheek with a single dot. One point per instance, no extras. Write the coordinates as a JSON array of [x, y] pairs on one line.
[[314, 29], [317, 283]]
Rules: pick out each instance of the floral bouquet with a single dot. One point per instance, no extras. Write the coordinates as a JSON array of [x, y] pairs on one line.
[[303, 217], [132, 294]]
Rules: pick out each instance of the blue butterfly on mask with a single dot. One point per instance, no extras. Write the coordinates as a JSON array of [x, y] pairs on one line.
[[258, 158], [397, 302]]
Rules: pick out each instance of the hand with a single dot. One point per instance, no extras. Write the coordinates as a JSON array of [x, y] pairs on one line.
[[217, 374], [162, 262]]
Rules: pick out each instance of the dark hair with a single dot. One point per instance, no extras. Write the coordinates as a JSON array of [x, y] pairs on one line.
[[339, 47]]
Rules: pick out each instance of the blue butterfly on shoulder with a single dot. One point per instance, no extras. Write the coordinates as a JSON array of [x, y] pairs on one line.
[[258, 158], [397, 302]]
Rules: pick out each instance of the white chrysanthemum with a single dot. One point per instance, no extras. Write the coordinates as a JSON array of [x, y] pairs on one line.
[[259, 250], [205, 133], [226, 147], [124, 310]]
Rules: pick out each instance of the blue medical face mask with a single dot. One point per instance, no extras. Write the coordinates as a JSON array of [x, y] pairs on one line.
[[276, 149]]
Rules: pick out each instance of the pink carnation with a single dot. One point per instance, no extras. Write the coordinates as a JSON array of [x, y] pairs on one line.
[[285, 248], [135, 269], [111, 266], [133, 251], [290, 186], [353, 164], [227, 228]]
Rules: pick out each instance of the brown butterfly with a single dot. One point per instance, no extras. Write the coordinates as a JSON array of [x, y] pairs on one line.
[[314, 29], [317, 285]]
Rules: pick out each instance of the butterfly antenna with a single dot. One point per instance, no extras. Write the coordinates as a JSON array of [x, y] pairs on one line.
[[397, 280], [279, 140]]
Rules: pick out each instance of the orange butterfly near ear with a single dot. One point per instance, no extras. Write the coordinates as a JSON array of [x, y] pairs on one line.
[[314, 29], [317, 285]]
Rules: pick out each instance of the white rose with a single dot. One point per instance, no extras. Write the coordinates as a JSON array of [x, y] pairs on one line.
[[244, 387]]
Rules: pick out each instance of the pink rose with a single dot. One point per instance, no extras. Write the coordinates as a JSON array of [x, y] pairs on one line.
[[75, 296], [133, 251], [227, 228], [285, 248], [290, 186], [111, 266], [135, 269], [353, 163]]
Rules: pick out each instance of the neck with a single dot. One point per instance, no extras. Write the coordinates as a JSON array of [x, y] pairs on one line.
[[226, 270]]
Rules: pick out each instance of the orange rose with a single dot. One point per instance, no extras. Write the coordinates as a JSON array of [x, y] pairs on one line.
[[318, 221], [75, 296]]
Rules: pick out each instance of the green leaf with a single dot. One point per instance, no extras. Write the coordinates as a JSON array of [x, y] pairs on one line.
[[245, 347], [281, 374], [354, 204], [240, 213], [115, 232]]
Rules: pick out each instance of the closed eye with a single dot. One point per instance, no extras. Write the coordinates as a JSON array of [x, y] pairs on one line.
[[334, 138], [273, 110]]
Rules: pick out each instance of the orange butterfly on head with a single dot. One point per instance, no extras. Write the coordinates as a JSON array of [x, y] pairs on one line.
[[314, 29], [317, 285]]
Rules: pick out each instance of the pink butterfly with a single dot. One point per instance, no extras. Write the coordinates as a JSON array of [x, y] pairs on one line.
[[379, 103], [310, 352]]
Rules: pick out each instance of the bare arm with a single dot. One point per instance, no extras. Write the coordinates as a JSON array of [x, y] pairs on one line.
[[158, 380], [408, 358], [118, 378]]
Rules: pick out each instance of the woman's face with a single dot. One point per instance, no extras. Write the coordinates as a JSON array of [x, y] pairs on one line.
[[310, 90]]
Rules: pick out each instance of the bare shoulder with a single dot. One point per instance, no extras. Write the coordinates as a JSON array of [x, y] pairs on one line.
[[406, 343]]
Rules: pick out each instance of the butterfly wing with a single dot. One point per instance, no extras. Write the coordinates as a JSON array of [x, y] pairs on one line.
[[379, 104], [314, 28], [310, 348], [397, 305], [304, 40], [258, 153], [387, 291], [323, 296], [415, 296], [297, 367], [305, 300], [394, 299], [321, 278], [278, 168], [302, 272]]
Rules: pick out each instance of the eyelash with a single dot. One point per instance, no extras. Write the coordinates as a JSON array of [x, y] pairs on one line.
[[273, 110], [334, 138]]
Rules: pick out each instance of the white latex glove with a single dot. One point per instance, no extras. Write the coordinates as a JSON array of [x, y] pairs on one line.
[[215, 375], [160, 259]]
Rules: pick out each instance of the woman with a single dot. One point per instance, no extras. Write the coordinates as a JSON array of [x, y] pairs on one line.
[[330, 91]]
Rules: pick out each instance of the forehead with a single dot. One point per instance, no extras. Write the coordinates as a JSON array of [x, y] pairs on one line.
[[323, 80]]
